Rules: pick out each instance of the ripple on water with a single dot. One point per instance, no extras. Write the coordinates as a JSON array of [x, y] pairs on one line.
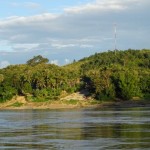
[[82, 129]]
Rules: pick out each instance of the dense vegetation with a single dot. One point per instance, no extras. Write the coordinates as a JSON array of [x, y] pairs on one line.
[[108, 75]]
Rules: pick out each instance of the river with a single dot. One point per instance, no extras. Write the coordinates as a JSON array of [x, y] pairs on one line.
[[76, 129]]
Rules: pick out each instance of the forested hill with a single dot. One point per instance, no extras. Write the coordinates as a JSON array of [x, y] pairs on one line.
[[128, 58], [109, 75]]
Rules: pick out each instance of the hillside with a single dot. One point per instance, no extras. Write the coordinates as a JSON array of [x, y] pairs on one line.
[[128, 58], [108, 75]]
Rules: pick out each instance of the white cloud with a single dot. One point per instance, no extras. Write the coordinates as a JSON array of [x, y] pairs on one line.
[[30, 5], [4, 64], [100, 5], [59, 46], [67, 61], [54, 62], [13, 21], [86, 46], [26, 47]]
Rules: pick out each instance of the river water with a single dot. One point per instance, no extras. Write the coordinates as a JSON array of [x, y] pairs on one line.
[[75, 129]]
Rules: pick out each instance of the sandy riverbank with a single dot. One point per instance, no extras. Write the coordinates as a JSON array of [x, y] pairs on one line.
[[20, 102]]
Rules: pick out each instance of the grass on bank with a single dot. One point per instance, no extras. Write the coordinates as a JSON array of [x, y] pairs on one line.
[[80, 102], [16, 104], [41, 99]]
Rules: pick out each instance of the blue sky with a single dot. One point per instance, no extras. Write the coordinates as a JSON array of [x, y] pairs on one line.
[[64, 30], [27, 8]]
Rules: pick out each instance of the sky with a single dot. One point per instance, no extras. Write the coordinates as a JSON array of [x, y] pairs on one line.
[[64, 30]]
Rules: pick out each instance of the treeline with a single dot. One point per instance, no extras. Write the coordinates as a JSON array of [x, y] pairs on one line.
[[118, 74], [37, 79], [108, 75]]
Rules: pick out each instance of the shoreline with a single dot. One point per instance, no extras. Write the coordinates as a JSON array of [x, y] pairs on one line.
[[127, 104], [21, 104]]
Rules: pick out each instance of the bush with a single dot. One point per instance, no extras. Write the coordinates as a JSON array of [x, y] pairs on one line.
[[6, 93]]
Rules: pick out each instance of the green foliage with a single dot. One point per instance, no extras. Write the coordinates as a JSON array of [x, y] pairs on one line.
[[71, 102], [26, 88], [127, 84], [1, 78], [7, 92], [38, 99], [129, 58], [106, 76], [17, 104], [144, 77], [37, 60], [146, 96], [100, 84]]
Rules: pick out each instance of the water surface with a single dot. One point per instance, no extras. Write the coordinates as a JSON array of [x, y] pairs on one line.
[[79, 129]]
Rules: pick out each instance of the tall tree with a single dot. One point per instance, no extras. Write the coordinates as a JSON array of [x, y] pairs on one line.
[[37, 60]]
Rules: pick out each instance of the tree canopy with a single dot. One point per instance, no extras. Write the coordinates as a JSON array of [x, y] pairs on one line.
[[105, 75], [37, 60]]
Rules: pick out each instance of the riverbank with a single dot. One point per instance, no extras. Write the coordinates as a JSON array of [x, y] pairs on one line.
[[20, 102], [126, 104]]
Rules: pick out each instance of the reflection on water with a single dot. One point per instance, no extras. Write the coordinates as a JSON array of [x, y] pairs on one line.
[[83, 129]]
